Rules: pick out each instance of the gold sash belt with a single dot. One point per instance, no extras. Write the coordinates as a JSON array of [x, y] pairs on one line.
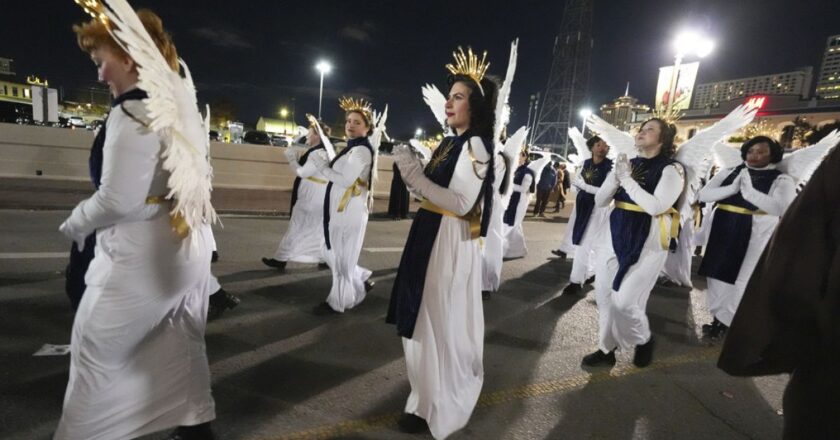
[[353, 190], [739, 210], [665, 235], [178, 223], [317, 180], [473, 217]]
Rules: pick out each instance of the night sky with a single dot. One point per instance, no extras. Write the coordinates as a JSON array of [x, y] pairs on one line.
[[260, 54]]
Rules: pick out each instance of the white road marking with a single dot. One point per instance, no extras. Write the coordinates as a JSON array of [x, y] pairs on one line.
[[32, 255]]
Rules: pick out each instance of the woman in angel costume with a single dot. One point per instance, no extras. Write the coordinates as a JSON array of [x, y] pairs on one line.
[[347, 202], [749, 200], [304, 239], [591, 222], [436, 301], [523, 186], [138, 362], [643, 224]]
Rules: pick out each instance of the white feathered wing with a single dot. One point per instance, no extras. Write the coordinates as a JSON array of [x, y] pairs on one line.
[[802, 163], [172, 107]]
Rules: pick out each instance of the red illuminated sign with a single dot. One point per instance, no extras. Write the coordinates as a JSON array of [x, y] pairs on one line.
[[756, 102]]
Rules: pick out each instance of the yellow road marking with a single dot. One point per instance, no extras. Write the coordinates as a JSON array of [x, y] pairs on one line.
[[503, 396]]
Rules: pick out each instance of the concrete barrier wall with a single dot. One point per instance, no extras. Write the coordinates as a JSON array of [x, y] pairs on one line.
[[60, 153]]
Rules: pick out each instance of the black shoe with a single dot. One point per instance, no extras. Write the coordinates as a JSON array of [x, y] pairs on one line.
[[215, 257], [411, 424], [323, 266], [644, 354], [718, 332], [599, 359], [197, 432], [707, 328], [589, 280], [324, 309], [485, 294], [559, 253], [698, 251], [573, 289], [277, 264], [220, 301], [369, 285]]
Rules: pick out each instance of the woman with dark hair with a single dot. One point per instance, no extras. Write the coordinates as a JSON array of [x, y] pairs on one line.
[[749, 200], [645, 190], [524, 185], [304, 239], [590, 223], [346, 208], [436, 302]]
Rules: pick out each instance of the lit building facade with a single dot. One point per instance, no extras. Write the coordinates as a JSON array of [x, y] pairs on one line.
[[828, 83], [796, 83], [623, 111]]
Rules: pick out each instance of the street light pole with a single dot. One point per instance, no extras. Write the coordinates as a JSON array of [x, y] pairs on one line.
[[323, 67]]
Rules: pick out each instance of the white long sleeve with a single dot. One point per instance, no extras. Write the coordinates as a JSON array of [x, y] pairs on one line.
[[464, 187], [585, 187], [306, 170], [130, 165], [781, 195], [713, 191], [525, 186], [606, 192], [358, 163], [667, 191]]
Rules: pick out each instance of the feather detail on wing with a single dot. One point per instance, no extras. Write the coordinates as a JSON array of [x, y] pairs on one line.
[[328, 146], [174, 116], [437, 103], [537, 165], [802, 163], [379, 120], [696, 154], [511, 152], [502, 109], [726, 156], [579, 142], [424, 151], [619, 141]]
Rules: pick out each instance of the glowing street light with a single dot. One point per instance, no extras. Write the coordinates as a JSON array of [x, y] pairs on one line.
[[584, 113], [284, 112], [687, 43], [324, 68], [418, 133]]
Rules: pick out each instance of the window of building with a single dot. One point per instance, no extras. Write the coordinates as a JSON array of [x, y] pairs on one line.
[[14, 91]]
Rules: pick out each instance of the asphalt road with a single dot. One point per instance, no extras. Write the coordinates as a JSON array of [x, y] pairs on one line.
[[280, 372]]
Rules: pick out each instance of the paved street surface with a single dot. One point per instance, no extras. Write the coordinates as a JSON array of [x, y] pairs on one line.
[[280, 372]]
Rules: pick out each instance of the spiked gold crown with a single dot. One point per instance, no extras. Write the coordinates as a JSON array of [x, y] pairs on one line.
[[468, 64], [95, 9], [668, 114], [349, 104]]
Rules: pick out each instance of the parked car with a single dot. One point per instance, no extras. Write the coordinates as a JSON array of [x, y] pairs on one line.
[[77, 122], [95, 124], [257, 138], [279, 140]]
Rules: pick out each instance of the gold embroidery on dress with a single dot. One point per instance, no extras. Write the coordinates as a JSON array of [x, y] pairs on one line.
[[440, 157]]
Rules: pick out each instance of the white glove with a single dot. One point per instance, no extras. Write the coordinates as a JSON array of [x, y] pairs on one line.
[[402, 153], [623, 171], [579, 183], [319, 160], [290, 154], [72, 233]]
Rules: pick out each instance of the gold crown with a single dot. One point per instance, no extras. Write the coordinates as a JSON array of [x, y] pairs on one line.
[[360, 105], [469, 65], [668, 114], [95, 9]]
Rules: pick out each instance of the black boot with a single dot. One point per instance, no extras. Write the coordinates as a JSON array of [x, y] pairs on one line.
[[559, 253], [369, 285], [411, 424], [599, 359], [573, 289], [485, 294], [322, 266], [196, 432], [718, 332], [708, 328], [590, 280], [215, 257], [277, 264], [220, 301], [644, 354]]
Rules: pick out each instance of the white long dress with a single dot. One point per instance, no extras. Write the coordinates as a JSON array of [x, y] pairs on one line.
[[723, 297], [444, 355], [138, 362], [347, 228], [622, 318], [514, 244], [493, 249], [304, 239], [584, 258], [677, 266]]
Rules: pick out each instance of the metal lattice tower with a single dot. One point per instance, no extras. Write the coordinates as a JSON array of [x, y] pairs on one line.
[[568, 81]]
